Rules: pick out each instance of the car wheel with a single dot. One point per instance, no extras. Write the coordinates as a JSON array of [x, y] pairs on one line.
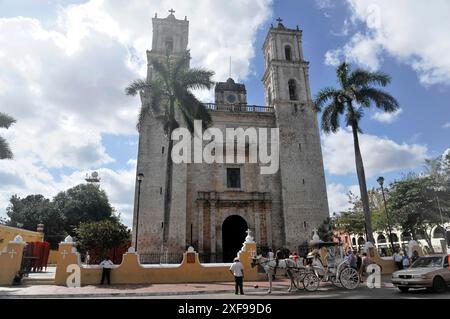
[[439, 285], [404, 289]]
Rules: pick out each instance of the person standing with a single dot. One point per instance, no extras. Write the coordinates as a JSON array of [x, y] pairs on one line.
[[415, 256], [270, 254], [398, 260], [107, 265], [237, 270], [405, 261], [358, 261]]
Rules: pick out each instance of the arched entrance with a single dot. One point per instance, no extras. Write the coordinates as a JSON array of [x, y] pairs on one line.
[[233, 236]]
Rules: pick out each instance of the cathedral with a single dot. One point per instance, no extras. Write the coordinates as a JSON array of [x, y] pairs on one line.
[[213, 205]]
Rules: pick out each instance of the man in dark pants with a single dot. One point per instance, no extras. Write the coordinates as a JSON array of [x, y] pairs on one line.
[[278, 256], [237, 270], [106, 273]]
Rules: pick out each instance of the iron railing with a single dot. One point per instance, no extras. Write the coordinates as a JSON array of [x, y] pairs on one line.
[[239, 108]]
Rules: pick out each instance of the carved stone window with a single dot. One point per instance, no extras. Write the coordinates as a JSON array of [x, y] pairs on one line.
[[292, 90], [233, 177], [288, 53], [169, 45]]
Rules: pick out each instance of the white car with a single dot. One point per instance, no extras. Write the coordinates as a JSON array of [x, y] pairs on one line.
[[431, 272]]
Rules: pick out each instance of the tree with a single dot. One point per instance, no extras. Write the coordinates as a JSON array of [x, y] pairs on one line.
[[103, 235], [32, 210], [326, 230], [357, 91], [83, 203], [170, 87], [5, 122], [351, 221], [412, 201]]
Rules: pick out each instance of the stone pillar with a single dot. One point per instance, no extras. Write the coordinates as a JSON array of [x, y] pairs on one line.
[[200, 204], [11, 260], [258, 225], [213, 229], [267, 212]]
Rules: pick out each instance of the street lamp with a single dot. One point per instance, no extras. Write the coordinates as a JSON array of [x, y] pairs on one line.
[[380, 181], [140, 178]]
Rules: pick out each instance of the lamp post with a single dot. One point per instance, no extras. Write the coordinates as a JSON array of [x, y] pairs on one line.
[[380, 181], [140, 178]]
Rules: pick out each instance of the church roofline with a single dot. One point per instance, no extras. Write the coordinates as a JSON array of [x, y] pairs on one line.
[[279, 30], [169, 19], [230, 85]]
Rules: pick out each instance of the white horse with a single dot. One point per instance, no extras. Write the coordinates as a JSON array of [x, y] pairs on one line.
[[287, 266]]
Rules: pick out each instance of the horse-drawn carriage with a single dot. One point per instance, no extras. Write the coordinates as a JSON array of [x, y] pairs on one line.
[[325, 263], [335, 268]]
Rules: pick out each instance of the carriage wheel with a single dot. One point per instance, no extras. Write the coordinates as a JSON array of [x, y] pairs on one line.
[[349, 278], [336, 282], [311, 282]]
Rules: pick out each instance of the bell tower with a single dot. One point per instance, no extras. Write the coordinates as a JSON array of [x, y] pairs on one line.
[[170, 37], [286, 84]]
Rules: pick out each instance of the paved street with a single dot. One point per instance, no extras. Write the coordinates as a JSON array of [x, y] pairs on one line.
[[224, 290]]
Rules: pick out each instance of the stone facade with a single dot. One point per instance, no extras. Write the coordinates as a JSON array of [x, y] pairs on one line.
[[281, 209]]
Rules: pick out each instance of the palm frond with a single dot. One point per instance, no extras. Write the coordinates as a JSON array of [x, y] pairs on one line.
[[6, 121], [323, 96], [362, 78], [331, 116], [382, 99], [192, 109], [137, 86], [196, 78], [181, 63], [342, 74], [354, 116], [5, 150]]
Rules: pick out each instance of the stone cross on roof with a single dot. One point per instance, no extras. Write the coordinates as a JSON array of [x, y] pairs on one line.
[[279, 20], [172, 11]]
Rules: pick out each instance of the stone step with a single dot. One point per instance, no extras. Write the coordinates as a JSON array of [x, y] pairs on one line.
[[38, 281]]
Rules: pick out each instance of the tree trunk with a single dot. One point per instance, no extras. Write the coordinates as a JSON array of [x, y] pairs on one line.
[[362, 185], [429, 241], [168, 184]]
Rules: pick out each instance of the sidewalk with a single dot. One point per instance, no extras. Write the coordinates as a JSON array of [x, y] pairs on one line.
[[98, 291]]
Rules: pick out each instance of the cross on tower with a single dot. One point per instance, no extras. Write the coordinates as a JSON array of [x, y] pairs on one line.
[[64, 253], [172, 11], [12, 253], [279, 20]]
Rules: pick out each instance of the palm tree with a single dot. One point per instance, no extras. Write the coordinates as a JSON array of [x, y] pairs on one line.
[[171, 86], [5, 122], [358, 90]]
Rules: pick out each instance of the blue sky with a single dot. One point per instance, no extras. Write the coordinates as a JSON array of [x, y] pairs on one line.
[[65, 64]]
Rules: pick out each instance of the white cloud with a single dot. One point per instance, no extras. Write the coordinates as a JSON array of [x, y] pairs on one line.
[[380, 154], [64, 82], [385, 117], [338, 197], [361, 49], [23, 178], [446, 125], [414, 33], [325, 4]]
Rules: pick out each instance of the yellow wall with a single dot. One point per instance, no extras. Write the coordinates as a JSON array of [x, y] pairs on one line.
[[130, 271], [10, 260], [8, 234], [388, 265], [52, 257]]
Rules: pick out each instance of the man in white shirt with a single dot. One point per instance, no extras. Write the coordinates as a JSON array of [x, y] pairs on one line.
[[107, 265], [398, 260], [237, 270]]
